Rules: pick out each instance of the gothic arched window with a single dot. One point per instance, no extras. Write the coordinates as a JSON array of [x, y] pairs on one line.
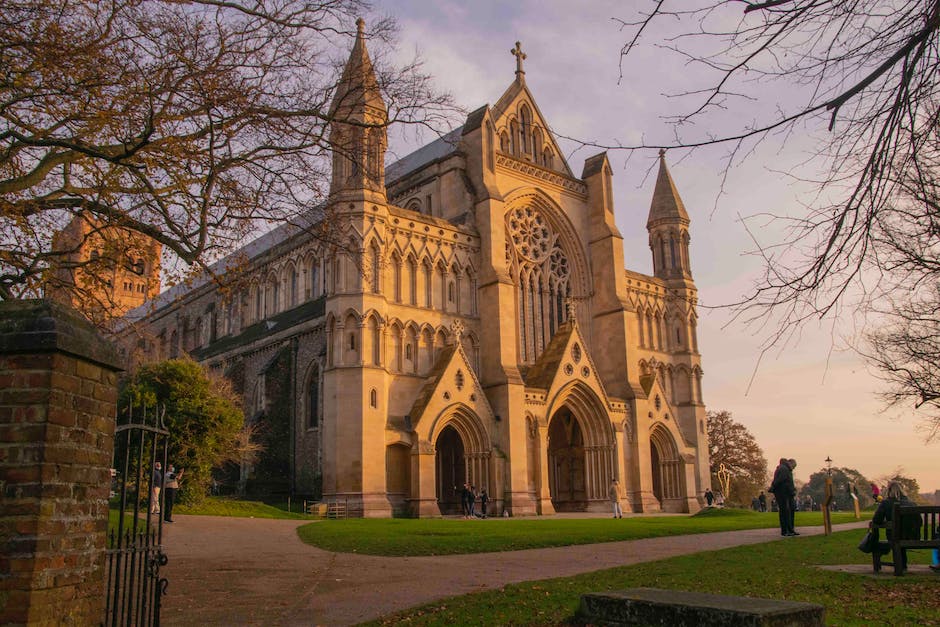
[[541, 272], [525, 128], [313, 400]]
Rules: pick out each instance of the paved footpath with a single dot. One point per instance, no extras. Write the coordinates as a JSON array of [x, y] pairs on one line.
[[249, 571]]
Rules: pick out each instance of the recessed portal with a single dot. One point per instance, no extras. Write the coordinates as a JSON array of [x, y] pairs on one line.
[[566, 463], [451, 470]]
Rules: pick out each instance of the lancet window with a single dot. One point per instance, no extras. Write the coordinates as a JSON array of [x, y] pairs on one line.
[[541, 273]]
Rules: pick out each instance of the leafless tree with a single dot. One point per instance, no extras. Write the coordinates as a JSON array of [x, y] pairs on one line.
[[905, 346], [861, 77], [190, 122], [862, 73]]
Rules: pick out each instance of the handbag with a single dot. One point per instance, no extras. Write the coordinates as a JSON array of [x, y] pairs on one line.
[[867, 545]]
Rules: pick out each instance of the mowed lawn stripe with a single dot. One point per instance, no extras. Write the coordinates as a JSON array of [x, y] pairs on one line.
[[415, 537]]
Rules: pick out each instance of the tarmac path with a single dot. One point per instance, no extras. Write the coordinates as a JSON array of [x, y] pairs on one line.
[[252, 571]]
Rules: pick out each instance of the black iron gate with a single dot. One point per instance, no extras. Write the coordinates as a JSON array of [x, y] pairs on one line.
[[135, 525]]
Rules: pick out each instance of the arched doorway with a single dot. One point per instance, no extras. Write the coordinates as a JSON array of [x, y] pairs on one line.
[[451, 470], [668, 470], [566, 463], [657, 474]]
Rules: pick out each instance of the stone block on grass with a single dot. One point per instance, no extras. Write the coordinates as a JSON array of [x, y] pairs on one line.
[[678, 608]]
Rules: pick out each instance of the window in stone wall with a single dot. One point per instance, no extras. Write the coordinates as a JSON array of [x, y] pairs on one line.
[[541, 272], [313, 400]]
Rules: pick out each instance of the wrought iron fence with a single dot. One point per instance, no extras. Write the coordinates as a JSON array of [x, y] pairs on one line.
[[135, 526]]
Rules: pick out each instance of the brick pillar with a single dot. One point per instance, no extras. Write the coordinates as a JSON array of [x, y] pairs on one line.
[[57, 408]]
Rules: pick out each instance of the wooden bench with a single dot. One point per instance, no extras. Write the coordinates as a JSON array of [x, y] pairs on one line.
[[919, 527]]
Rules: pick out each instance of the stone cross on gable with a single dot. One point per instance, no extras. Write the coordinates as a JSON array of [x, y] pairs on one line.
[[456, 328], [520, 57]]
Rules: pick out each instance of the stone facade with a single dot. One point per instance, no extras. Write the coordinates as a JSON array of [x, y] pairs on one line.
[[102, 271], [461, 315], [58, 398]]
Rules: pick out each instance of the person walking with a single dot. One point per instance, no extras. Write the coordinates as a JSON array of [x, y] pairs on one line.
[[484, 499], [156, 482], [614, 494], [709, 497], [762, 499], [783, 490], [471, 500], [170, 487]]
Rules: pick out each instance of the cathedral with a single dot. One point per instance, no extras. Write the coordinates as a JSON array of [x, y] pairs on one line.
[[469, 319]]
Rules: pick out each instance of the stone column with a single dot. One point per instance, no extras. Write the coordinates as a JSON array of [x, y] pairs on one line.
[[58, 399], [423, 481], [545, 496]]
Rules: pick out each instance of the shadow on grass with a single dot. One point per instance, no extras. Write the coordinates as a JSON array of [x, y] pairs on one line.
[[785, 569]]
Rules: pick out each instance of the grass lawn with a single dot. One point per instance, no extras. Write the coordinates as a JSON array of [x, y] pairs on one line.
[[399, 536], [240, 508], [781, 570]]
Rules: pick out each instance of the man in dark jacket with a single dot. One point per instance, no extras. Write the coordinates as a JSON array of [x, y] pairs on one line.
[[784, 491]]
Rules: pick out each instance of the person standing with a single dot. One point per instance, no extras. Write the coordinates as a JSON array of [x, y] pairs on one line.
[[762, 499], [783, 490], [484, 499], [792, 464], [719, 499], [471, 500], [465, 499], [156, 482], [614, 494], [709, 497], [170, 486]]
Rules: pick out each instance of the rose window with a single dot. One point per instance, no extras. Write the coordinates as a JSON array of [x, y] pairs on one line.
[[530, 234]]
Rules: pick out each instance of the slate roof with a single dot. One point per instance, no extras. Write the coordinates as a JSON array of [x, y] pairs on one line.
[[440, 147], [274, 324]]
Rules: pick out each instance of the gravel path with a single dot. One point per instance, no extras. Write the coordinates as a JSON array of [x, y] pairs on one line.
[[247, 571]]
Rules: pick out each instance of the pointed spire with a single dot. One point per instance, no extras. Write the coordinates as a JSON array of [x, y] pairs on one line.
[[666, 201], [358, 89], [357, 128]]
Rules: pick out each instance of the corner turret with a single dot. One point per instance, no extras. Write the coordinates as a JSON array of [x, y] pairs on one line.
[[668, 226], [358, 120]]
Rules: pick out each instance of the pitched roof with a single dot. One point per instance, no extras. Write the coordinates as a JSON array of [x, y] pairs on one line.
[[666, 201], [427, 391], [542, 373], [437, 149]]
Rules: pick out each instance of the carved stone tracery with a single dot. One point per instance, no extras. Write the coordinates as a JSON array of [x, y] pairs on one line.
[[541, 271]]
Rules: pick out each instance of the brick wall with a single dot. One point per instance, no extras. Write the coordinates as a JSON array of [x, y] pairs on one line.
[[57, 406]]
